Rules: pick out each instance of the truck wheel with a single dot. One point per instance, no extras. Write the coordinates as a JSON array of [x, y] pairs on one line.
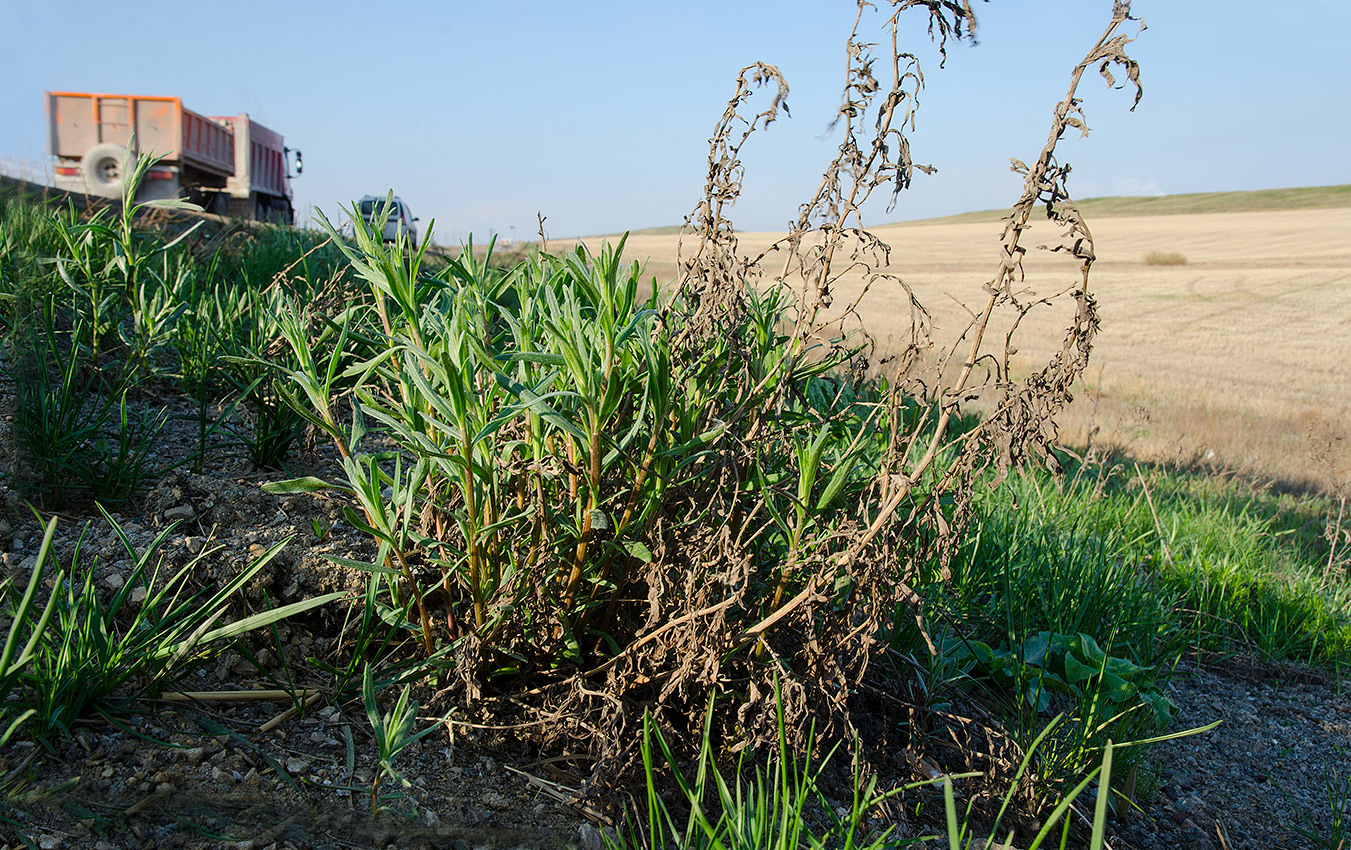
[[102, 169]]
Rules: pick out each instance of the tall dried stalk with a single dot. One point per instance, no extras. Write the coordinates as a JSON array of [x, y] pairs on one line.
[[913, 511]]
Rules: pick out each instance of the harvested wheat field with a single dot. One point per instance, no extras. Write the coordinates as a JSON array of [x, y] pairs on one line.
[[1236, 357]]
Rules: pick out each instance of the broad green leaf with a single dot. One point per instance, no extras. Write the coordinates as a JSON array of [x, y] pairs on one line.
[[1076, 671], [1035, 648], [637, 550]]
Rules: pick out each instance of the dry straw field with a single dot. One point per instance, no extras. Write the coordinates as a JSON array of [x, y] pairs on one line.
[[1226, 336]]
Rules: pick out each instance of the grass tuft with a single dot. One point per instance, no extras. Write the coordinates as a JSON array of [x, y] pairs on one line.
[[1165, 258]]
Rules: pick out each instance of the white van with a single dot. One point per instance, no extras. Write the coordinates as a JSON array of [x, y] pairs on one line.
[[399, 217]]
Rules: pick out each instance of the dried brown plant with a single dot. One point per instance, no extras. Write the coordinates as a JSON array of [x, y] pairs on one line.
[[717, 622]]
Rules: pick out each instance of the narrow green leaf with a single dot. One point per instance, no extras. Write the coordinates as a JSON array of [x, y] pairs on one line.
[[266, 618], [304, 484]]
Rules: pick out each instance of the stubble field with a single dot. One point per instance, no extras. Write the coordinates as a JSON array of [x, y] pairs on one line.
[[1239, 358]]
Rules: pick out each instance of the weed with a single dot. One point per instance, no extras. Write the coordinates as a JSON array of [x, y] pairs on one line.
[[769, 809], [23, 617], [203, 336], [766, 810], [393, 730], [584, 484], [86, 652], [81, 434]]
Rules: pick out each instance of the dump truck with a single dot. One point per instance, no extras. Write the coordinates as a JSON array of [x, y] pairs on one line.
[[230, 165]]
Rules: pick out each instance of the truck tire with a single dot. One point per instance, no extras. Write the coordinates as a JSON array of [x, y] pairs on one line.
[[102, 168]]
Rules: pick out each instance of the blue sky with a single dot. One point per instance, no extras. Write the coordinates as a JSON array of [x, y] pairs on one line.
[[597, 114]]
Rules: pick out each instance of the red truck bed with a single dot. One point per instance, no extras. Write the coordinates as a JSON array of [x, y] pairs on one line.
[[260, 157], [82, 120]]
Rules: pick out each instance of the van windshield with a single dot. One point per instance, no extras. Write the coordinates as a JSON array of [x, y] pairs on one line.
[[370, 208]]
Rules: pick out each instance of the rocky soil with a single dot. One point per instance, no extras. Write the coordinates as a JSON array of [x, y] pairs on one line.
[[262, 774]]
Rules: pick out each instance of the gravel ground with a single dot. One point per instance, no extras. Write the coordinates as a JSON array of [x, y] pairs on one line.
[[1258, 780], [1261, 779]]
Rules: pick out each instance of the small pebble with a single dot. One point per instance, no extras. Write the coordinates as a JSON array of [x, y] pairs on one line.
[[496, 800], [590, 837], [179, 512]]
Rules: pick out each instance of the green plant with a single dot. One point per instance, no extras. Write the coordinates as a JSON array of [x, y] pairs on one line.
[[1100, 698], [1048, 663], [763, 810], [273, 426], [1232, 564], [57, 422], [87, 652], [767, 808], [23, 617], [110, 269], [122, 458], [203, 337], [157, 303], [590, 488], [393, 730], [1055, 556], [29, 238], [377, 635], [82, 435]]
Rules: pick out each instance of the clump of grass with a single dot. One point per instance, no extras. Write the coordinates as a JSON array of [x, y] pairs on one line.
[[1080, 594], [85, 652], [1165, 258], [771, 808], [85, 438]]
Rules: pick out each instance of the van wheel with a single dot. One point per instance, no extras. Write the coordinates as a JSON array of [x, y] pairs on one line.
[[102, 168]]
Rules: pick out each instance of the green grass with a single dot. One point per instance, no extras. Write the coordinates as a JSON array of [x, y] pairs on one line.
[[1258, 200], [1079, 596], [1159, 555], [86, 652]]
